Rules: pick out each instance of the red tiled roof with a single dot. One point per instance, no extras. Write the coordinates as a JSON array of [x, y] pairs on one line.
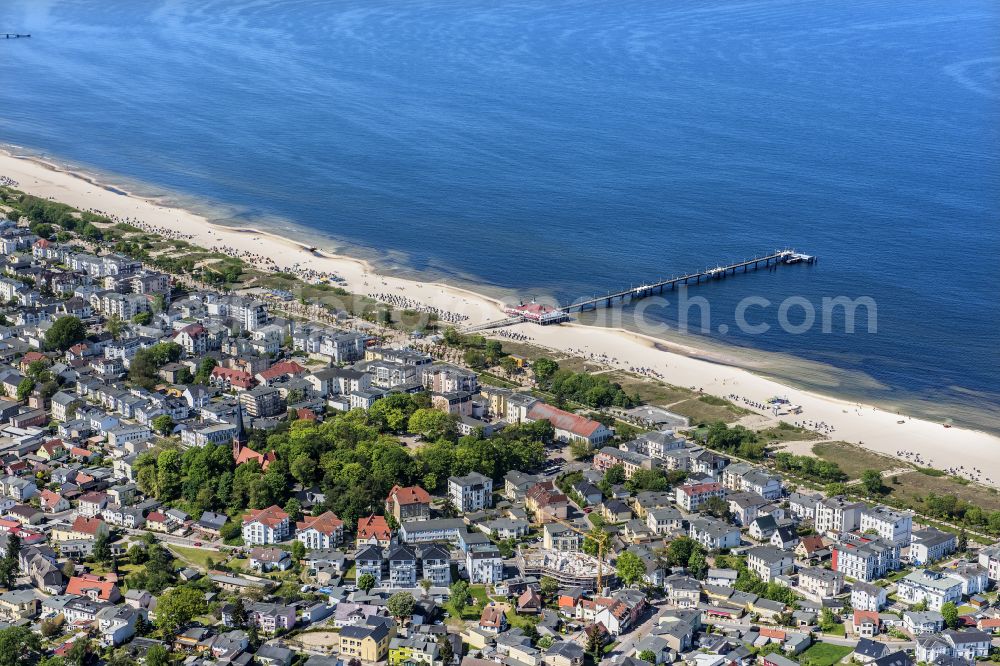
[[777, 634], [578, 425], [272, 516], [87, 525], [281, 368], [860, 616], [81, 585], [409, 495], [373, 526], [696, 488], [327, 523]]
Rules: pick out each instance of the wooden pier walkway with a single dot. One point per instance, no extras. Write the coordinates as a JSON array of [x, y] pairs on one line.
[[13, 35]]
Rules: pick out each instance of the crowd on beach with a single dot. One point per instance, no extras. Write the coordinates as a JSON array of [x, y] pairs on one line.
[[513, 335], [971, 473], [406, 303], [7, 181]]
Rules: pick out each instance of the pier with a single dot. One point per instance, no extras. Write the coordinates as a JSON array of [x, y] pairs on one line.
[[14, 35], [776, 258], [543, 315]]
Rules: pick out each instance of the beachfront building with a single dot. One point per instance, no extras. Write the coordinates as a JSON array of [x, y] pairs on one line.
[[537, 313], [570, 427], [835, 515], [929, 545]]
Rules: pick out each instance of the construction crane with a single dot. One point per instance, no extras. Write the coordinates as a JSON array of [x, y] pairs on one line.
[[601, 538]]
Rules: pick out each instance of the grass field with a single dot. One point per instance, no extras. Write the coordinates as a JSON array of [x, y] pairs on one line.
[[910, 487], [786, 432], [824, 654], [195, 556]]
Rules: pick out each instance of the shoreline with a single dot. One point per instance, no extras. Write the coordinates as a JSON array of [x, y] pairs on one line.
[[687, 366]]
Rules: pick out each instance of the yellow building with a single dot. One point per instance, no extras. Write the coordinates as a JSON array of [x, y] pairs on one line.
[[417, 649], [367, 642]]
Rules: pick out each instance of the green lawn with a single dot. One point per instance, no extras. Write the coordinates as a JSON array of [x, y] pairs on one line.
[[824, 654], [838, 630], [195, 556]]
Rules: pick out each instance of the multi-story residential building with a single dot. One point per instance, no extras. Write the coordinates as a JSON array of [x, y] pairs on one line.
[[930, 544], [445, 378], [435, 564], [415, 649], [262, 401], [690, 496], [655, 444], [835, 515], [436, 529], [408, 503], [484, 564], [561, 538], [863, 558], [931, 587], [768, 562], [402, 567], [373, 530], [966, 646], [891, 526], [630, 461], [714, 534], [868, 597], [989, 559], [369, 560], [264, 526], [367, 642], [547, 502], [323, 531], [664, 520], [803, 505], [472, 492], [766, 485], [821, 583]]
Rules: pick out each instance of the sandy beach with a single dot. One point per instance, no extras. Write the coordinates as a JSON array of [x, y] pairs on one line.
[[867, 425]]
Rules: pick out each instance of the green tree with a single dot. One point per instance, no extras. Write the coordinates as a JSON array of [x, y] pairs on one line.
[[401, 605], [239, 616], [949, 611], [102, 549], [366, 582], [177, 607], [459, 593], [595, 642], [509, 366], [432, 424], [163, 424], [827, 621], [157, 655], [550, 586], [168, 475], [24, 388], [871, 481], [64, 333], [142, 318], [81, 653], [697, 565], [298, 550], [648, 655], [614, 475], [544, 368], [19, 646], [630, 568], [114, 326], [963, 541], [679, 551], [445, 651]]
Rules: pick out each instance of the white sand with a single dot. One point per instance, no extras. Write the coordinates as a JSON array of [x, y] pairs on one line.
[[874, 428]]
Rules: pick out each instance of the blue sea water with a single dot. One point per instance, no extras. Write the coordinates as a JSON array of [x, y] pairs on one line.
[[561, 148]]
